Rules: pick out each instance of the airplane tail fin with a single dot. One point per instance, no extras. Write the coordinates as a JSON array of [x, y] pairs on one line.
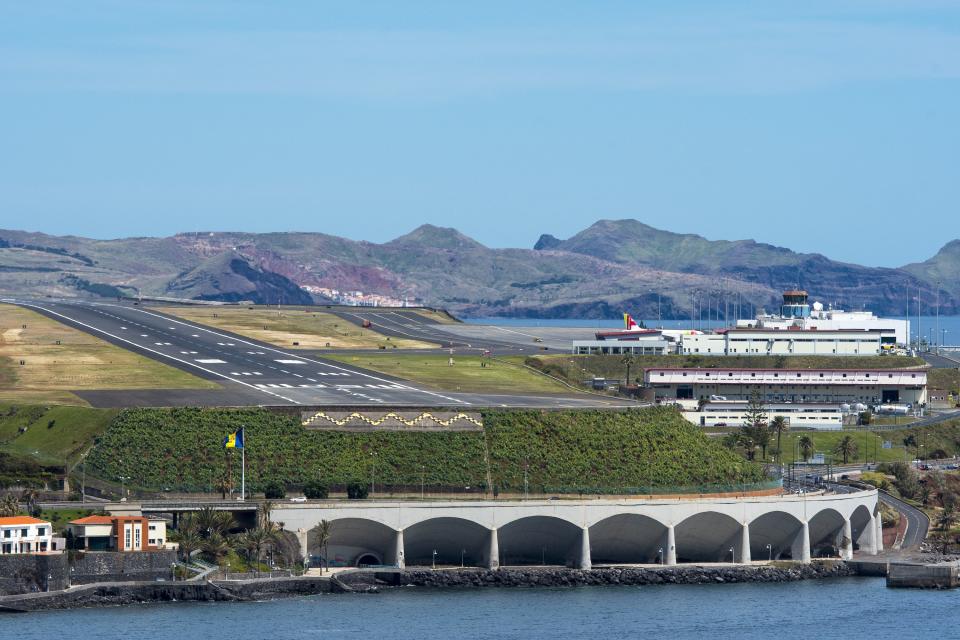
[[629, 322]]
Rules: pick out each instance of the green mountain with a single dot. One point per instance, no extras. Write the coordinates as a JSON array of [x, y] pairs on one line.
[[610, 267]]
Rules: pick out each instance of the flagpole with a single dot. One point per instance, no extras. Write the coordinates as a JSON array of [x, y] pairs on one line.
[[243, 472]]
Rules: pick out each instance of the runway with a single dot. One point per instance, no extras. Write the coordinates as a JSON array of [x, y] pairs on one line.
[[253, 372]]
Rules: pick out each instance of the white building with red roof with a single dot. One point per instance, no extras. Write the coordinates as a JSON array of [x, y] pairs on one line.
[[26, 535]]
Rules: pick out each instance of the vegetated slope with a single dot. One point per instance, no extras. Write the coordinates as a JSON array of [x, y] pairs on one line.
[[638, 451], [613, 266], [568, 451], [51, 435]]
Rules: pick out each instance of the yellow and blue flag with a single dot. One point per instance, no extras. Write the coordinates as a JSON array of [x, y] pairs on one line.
[[234, 440]]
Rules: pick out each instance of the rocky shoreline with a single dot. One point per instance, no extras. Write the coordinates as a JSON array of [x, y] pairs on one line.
[[373, 581]]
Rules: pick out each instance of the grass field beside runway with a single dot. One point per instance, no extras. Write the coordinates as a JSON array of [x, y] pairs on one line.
[[466, 374], [79, 362], [308, 328], [51, 435]]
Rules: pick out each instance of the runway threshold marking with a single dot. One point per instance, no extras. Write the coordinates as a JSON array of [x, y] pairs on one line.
[[347, 372]]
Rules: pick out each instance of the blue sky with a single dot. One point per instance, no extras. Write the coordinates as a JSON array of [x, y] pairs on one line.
[[827, 126]]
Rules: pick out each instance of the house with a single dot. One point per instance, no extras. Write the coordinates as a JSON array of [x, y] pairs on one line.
[[23, 534], [118, 533]]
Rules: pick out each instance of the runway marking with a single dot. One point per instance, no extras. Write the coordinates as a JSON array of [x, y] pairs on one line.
[[290, 361], [154, 351], [278, 351], [210, 361], [188, 353]]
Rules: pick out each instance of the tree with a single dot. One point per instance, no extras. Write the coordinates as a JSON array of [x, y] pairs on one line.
[[9, 506], [209, 521], [847, 447], [263, 514], [32, 500], [216, 547], [188, 541], [627, 360], [806, 447], [357, 490], [947, 518], [755, 430], [321, 534], [778, 426], [257, 539], [275, 491], [316, 490]]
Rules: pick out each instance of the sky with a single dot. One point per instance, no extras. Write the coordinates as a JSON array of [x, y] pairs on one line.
[[823, 126]]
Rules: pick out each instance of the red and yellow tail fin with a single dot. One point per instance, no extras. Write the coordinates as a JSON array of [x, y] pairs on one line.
[[629, 322]]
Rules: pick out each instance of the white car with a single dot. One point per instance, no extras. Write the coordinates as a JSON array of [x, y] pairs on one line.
[[299, 499]]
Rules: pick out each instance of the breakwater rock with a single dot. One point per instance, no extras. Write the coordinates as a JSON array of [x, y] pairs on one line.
[[563, 577]]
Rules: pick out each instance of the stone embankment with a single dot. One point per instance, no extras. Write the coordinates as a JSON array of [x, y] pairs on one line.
[[562, 577], [115, 594]]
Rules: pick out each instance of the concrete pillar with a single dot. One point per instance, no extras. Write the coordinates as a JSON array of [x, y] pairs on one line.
[[398, 550], [493, 550], [868, 539], [302, 538], [744, 543], [846, 541], [800, 549], [585, 561], [878, 532], [671, 546]]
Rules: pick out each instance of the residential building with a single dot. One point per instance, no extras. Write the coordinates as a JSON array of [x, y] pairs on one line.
[[118, 533], [23, 534]]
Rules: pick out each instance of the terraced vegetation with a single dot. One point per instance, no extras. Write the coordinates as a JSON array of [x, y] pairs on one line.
[[51, 435], [59, 359], [578, 368], [468, 373], [640, 451], [293, 327]]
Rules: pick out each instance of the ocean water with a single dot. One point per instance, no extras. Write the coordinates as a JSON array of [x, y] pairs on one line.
[[839, 608]]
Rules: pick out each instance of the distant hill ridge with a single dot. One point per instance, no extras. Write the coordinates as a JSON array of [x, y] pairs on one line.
[[610, 267]]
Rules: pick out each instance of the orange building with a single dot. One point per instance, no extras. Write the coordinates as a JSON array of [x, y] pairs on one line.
[[118, 533]]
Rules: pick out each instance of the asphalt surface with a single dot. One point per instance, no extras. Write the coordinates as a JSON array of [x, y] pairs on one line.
[[256, 373], [951, 361], [917, 521]]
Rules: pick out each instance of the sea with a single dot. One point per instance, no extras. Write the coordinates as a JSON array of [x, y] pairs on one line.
[[847, 608], [928, 324]]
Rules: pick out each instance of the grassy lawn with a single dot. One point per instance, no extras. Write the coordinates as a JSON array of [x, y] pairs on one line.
[[465, 375], [53, 435], [436, 316], [310, 329], [59, 518], [81, 361]]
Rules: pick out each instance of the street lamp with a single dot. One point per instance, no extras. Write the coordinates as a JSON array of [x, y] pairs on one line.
[[462, 552], [733, 556], [423, 476], [660, 551], [769, 553], [433, 562]]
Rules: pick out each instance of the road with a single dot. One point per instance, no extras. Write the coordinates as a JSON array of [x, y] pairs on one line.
[[917, 521], [253, 372]]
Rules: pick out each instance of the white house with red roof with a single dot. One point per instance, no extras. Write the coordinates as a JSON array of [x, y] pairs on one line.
[[26, 535]]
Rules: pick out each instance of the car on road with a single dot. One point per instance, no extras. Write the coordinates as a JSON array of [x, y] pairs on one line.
[[299, 499]]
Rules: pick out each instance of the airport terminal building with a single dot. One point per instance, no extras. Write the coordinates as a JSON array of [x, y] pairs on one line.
[[856, 386]]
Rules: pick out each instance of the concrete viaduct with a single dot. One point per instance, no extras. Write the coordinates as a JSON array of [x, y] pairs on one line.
[[581, 533]]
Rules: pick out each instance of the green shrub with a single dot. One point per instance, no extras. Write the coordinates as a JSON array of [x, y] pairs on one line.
[[315, 490], [357, 491], [274, 491]]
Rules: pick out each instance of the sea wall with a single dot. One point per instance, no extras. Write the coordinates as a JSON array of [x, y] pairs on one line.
[[108, 566], [30, 573]]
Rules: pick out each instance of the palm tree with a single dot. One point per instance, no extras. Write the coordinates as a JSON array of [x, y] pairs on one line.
[[778, 425], [188, 540], [627, 360], [9, 506], [263, 513], [847, 448], [256, 540], [32, 500], [322, 533], [209, 521], [216, 547], [947, 517], [806, 447]]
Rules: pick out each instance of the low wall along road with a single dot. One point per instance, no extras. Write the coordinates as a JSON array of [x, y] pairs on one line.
[[581, 533]]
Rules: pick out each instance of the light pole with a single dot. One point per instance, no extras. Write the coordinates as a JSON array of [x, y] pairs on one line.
[[423, 479], [769, 553], [660, 551], [373, 471], [433, 562], [462, 553], [733, 556]]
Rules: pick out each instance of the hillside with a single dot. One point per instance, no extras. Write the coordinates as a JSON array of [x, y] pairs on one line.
[[612, 266], [637, 451]]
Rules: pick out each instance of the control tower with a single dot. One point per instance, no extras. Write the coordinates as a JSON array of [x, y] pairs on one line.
[[795, 304]]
